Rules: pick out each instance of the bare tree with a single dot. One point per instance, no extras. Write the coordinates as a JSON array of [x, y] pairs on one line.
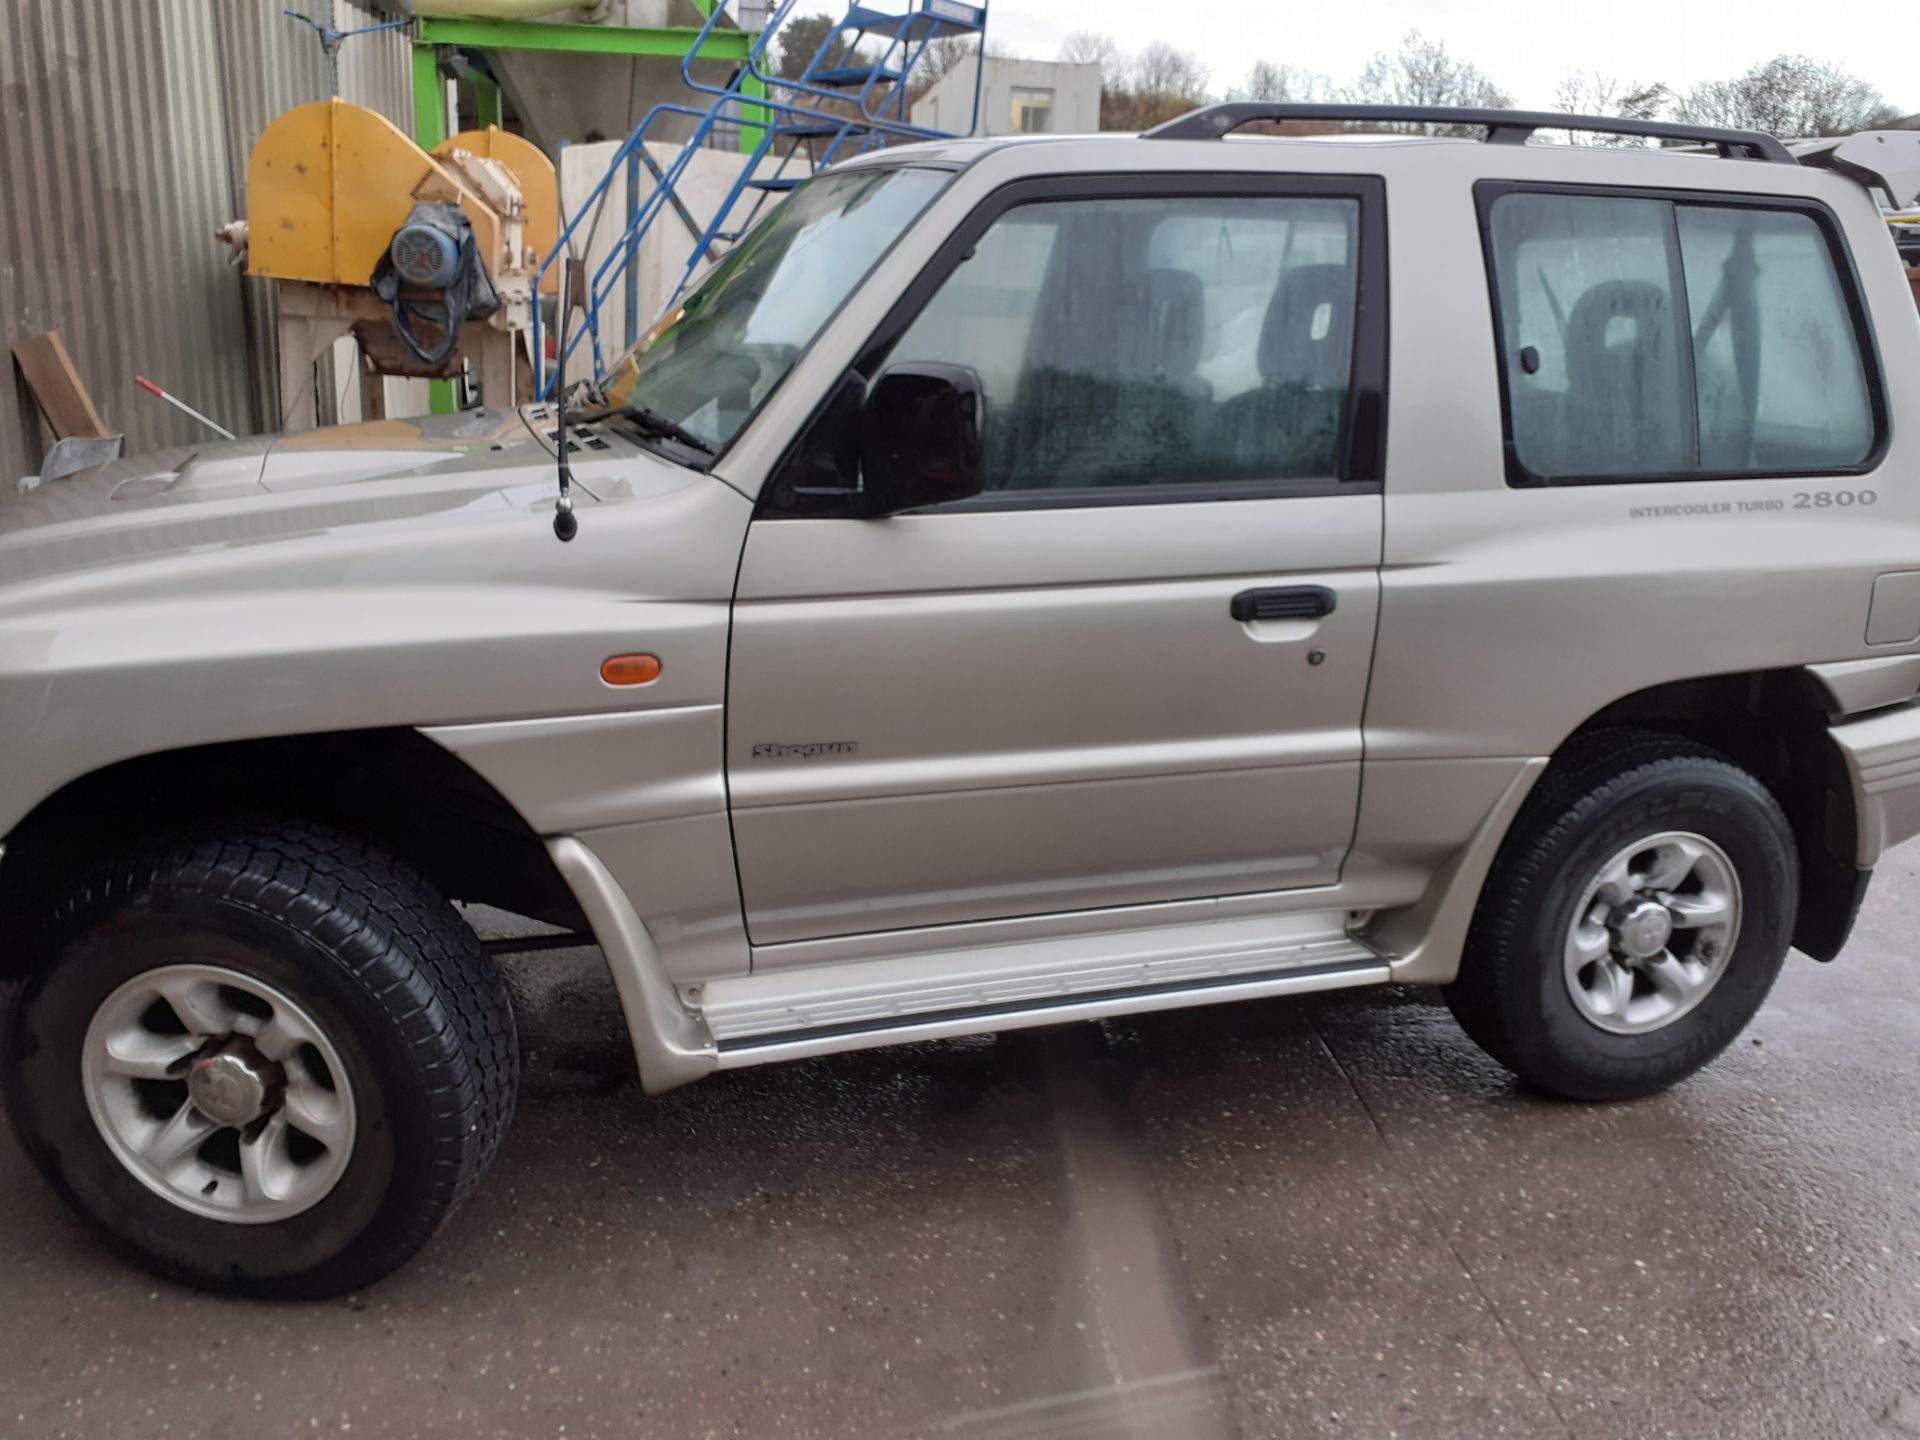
[[1162, 81], [1587, 92], [1282, 84], [1789, 95], [1090, 47], [1164, 73], [945, 55], [1425, 72]]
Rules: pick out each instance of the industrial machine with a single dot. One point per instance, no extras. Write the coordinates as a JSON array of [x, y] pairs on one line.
[[428, 260]]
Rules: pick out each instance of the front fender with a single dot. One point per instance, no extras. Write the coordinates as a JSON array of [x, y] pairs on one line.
[[437, 620], [95, 687]]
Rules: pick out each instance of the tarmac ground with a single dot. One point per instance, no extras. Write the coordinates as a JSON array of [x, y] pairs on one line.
[[1303, 1218]]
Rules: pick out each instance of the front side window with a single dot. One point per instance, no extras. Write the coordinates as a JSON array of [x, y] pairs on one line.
[[1646, 338], [1158, 341], [715, 360]]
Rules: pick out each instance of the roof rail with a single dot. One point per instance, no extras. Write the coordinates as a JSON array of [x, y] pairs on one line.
[[1504, 127]]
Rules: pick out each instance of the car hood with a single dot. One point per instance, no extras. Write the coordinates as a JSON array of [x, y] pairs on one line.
[[280, 487], [267, 465]]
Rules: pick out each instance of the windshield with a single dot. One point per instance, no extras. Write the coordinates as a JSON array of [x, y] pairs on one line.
[[708, 366]]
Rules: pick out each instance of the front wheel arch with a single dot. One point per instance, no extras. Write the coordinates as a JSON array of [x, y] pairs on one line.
[[394, 786], [354, 941]]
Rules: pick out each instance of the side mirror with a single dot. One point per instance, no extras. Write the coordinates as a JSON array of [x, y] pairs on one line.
[[920, 437]]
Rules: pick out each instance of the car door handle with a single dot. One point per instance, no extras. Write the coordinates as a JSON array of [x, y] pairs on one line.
[[1286, 602]]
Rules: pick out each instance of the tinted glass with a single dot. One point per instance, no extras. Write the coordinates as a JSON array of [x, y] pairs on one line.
[[1136, 342], [1595, 360], [1645, 337], [1777, 361]]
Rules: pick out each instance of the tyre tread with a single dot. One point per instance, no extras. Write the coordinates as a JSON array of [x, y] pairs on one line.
[[385, 926], [1583, 780]]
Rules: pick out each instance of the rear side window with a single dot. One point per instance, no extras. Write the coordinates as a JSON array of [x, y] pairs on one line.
[[1648, 338]]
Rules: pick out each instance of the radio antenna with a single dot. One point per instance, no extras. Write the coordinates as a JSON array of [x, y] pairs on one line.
[[565, 524]]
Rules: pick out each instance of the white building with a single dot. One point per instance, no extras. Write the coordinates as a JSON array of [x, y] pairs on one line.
[[1017, 97]]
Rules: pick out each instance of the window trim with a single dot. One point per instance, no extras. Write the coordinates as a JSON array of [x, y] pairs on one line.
[[1360, 467], [1487, 193]]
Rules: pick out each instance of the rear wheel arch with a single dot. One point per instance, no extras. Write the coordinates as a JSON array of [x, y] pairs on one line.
[[1773, 724], [1634, 920]]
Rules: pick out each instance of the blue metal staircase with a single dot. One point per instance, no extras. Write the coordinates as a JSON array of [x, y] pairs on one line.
[[851, 97]]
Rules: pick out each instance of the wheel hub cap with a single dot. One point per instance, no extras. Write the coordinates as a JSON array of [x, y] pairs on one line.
[[1653, 933], [219, 1092], [1641, 930], [228, 1088]]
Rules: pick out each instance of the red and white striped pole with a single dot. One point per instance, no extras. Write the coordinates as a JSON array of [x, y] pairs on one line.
[[181, 405]]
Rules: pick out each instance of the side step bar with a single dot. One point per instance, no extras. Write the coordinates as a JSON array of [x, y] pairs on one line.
[[826, 1040], [785, 1013]]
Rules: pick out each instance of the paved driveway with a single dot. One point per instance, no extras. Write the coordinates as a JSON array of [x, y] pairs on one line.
[[1295, 1219]]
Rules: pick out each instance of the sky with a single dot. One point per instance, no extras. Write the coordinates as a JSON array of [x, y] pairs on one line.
[[1525, 49]]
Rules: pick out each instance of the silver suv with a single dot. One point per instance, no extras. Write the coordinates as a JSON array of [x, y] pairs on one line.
[[1026, 582]]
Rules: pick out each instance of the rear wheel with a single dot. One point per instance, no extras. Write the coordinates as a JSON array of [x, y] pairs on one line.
[[1634, 921], [270, 1063]]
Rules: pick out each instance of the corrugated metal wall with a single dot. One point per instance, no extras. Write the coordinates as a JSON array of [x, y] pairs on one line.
[[377, 70], [124, 132]]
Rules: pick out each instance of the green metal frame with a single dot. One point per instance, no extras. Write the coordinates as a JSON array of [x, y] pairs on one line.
[[489, 109], [429, 129], [753, 118], [672, 41], [433, 33], [429, 98]]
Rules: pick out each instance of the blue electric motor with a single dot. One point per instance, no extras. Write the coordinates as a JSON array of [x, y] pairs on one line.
[[432, 273], [425, 254]]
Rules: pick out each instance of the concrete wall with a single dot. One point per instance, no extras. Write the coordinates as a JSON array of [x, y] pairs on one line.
[[1070, 93], [668, 242]]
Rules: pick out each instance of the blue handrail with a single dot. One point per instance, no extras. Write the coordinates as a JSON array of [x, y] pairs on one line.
[[778, 111]]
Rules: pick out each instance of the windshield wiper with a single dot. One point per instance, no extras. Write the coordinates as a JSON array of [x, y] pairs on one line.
[[659, 424]]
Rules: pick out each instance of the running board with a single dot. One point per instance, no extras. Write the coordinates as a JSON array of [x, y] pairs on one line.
[[787, 1014]]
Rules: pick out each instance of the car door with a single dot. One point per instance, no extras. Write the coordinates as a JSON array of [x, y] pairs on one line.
[[1131, 670]]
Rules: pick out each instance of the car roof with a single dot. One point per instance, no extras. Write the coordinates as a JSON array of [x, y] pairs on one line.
[[1888, 160], [1102, 151], [964, 150]]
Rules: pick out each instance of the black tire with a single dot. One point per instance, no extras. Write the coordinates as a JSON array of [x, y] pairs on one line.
[[1608, 790], [359, 939]]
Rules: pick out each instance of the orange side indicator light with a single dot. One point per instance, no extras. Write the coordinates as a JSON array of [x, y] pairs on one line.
[[630, 669]]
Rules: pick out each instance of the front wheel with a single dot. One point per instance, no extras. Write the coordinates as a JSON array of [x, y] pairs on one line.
[[1634, 921], [269, 1063]]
